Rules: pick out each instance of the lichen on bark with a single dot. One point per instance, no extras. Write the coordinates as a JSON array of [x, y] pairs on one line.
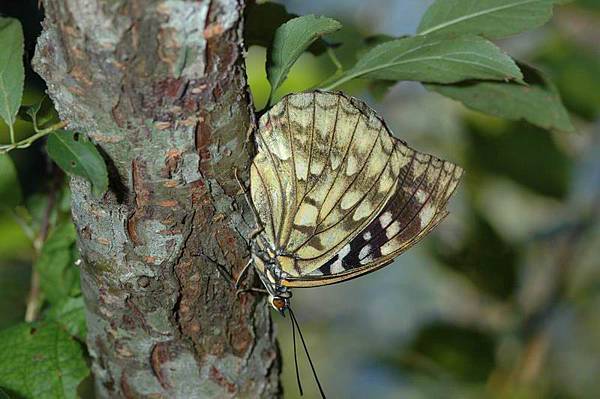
[[160, 87]]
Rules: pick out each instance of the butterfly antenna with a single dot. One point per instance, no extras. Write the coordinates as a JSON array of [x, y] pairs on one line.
[[296, 356], [312, 367]]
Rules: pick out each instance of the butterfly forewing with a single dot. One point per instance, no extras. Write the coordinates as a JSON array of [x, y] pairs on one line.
[[337, 192]]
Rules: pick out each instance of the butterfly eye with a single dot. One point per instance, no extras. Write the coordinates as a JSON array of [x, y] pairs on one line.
[[279, 303]]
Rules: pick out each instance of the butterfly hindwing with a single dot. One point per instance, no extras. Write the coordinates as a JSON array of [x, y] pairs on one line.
[[407, 217]]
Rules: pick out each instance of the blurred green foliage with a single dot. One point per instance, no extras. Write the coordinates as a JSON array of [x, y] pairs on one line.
[[14, 285], [521, 152], [442, 348], [574, 69], [483, 257], [59, 279]]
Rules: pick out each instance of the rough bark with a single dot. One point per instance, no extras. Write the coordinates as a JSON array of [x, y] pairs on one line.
[[160, 86]]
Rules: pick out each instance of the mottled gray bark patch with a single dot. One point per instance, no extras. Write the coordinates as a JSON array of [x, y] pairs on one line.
[[160, 87]]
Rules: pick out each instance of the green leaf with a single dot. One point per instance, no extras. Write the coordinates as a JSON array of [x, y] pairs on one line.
[[576, 72], [593, 5], [41, 108], [538, 102], [433, 59], [377, 88], [10, 189], [521, 152], [41, 362], [14, 286], [29, 112], [261, 21], [78, 156], [291, 40], [59, 278], [12, 74], [490, 18], [70, 313]]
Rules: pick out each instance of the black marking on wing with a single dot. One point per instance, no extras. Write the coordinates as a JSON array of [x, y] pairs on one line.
[[407, 237], [398, 213], [368, 244], [351, 260]]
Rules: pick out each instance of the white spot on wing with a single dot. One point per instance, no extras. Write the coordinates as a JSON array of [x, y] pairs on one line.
[[367, 259], [336, 159], [301, 168], [316, 166], [280, 149], [367, 236], [421, 196], [389, 247], [344, 251], [337, 267], [385, 219], [364, 251], [392, 230], [426, 215]]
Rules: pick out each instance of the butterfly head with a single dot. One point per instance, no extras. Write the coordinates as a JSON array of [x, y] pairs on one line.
[[279, 303]]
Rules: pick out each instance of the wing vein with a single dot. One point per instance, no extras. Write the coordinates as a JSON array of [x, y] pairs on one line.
[[350, 211], [318, 178], [356, 175], [433, 192], [312, 138], [328, 155], [405, 202], [272, 222], [290, 139], [338, 171], [282, 210]]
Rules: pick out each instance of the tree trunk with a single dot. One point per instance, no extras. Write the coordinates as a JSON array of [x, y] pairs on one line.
[[160, 86]]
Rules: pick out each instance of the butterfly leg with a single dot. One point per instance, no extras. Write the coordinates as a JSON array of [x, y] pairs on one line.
[[238, 282], [242, 274], [252, 289]]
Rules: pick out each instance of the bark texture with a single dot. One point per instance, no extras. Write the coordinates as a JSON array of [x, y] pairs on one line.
[[160, 86]]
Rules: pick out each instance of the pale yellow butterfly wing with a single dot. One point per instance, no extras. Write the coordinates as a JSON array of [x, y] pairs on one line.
[[326, 167]]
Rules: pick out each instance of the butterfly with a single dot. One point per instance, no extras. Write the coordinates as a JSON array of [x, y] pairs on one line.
[[336, 195]]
